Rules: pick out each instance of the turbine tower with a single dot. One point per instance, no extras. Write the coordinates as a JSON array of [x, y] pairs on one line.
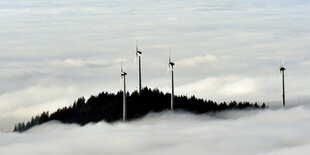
[[282, 70], [170, 67], [138, 55], [123, 76]]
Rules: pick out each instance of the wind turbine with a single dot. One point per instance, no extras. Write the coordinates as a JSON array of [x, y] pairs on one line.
[[282, 69], [138, 55], [170, 67], [123, 76]]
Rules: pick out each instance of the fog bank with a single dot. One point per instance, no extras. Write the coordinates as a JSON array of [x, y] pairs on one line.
[[56, 51], [237, 132]]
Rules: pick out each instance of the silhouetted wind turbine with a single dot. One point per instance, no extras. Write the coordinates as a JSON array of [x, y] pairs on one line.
[[138, 55], [123, 76], [282, 69], [170, 67]]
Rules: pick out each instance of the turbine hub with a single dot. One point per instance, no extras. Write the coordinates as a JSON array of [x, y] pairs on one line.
[[282, 69]]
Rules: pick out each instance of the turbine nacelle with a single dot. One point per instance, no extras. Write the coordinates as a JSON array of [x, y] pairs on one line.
[[170, 63], [123, 73], [282, 69], [138, 52], [170, 66]]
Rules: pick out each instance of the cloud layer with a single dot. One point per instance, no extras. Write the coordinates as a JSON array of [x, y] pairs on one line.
[[282, 131], [64, 49]]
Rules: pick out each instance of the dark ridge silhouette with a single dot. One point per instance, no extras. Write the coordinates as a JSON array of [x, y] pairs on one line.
[[108, 107]]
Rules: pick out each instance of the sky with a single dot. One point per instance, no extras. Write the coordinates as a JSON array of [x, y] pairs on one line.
[[52, 52]]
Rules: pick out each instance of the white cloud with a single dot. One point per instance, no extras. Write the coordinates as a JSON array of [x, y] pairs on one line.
[[201, 85], [197, 61], [240, 87], [69, 62], [221, 87], [22, 104], [306, 63]]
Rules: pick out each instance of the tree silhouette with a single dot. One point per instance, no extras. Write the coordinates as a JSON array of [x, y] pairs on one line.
[[108, 107]]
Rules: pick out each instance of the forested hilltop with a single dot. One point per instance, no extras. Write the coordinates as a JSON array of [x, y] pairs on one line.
[[108, 107]]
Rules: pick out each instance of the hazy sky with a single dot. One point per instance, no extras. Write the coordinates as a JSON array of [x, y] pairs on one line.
[[52, 52]]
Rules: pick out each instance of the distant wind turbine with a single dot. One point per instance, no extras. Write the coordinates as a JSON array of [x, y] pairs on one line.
[[170, 67], [138, 55], [123, 76], [282, 69]]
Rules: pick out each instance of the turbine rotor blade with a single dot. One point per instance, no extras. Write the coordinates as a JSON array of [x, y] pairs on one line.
[[121, 66], [168, 69], [283, 62], [121, 82], [135, 61], [136, 53], [280, 77], [169, 56]]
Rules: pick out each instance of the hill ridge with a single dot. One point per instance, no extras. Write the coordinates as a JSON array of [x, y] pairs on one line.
[[108, 107]]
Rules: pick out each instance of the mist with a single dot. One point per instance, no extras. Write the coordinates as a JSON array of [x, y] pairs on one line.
[[57, 51], [53, 52], [281, 131]]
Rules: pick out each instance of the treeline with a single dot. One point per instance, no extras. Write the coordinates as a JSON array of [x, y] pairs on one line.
[[108, 107]]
